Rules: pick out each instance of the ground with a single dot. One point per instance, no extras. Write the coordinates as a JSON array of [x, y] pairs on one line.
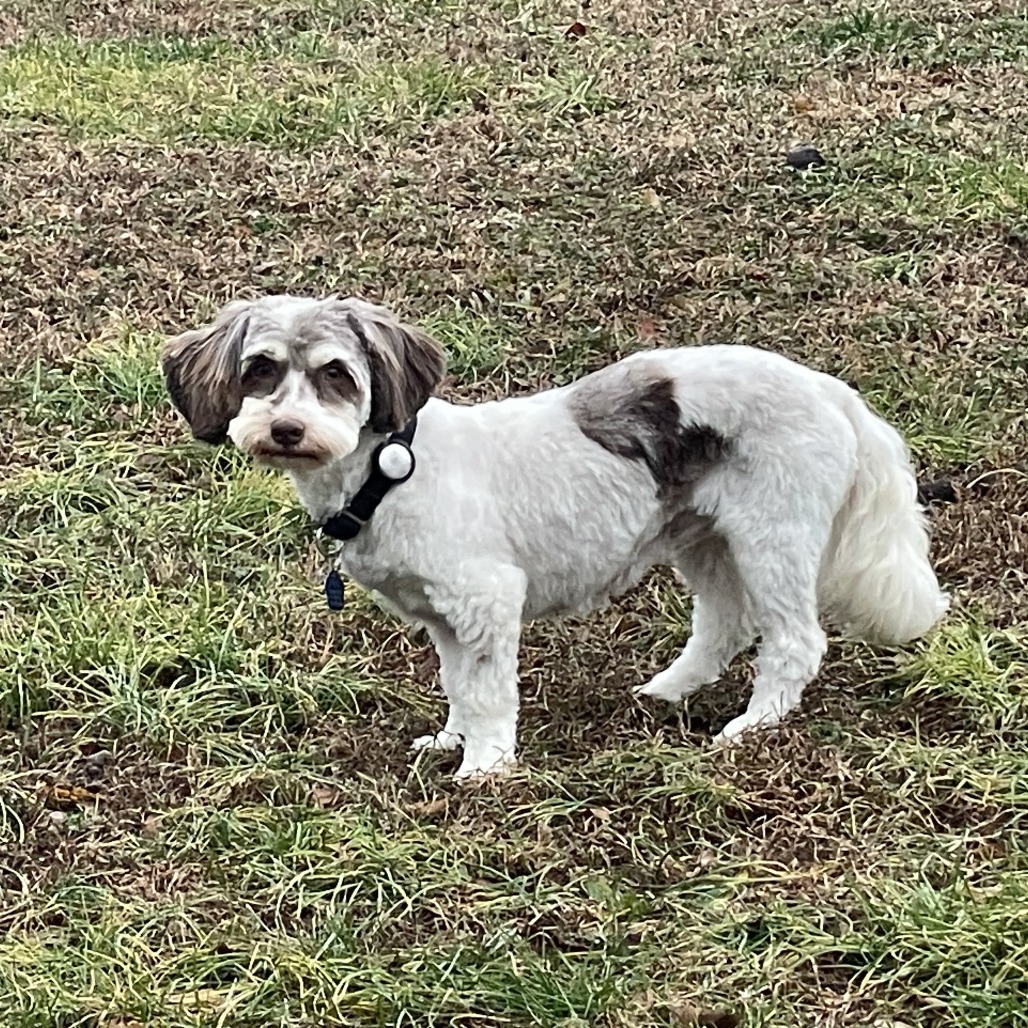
[[208, 812]]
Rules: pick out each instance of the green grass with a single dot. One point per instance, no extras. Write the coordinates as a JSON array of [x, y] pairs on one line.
[[898, 179], [122, 373], [208, 813], [864, 34], [177, 91], [973, 670], [477, 347]]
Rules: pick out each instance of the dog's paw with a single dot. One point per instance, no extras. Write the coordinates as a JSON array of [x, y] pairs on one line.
[[668, 687], [485, 760], [660, 688], [477, 774], [724, 742], [736, 729], [442, 740]]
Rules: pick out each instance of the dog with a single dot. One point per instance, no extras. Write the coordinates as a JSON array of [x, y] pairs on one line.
[[772, 489]]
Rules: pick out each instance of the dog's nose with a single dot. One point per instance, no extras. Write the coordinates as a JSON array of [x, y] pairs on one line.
[[286, 433]]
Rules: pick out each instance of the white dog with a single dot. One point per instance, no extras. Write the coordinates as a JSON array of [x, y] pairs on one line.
[[773, 490]]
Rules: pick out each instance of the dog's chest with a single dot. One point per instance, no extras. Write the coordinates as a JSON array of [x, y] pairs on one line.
[[403, 595]]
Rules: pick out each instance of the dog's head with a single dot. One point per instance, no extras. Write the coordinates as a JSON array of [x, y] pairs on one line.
[[293, 381]]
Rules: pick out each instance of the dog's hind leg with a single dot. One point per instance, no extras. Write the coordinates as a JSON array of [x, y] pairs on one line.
[[778, 540], [791, 648], [478, 654], [720, 626]]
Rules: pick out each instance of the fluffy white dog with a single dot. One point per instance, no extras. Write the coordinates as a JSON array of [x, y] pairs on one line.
[[773, 490]]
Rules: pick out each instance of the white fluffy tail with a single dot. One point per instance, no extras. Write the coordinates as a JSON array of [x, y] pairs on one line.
[[877, 583]]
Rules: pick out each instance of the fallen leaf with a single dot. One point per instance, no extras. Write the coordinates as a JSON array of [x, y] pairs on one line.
[[600, 813], [100, 759], [803, 104], [57, 796], [151, 828], [575, 30], [648, 331]]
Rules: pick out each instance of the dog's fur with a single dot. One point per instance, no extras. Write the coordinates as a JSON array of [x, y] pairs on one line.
[[773, 490]]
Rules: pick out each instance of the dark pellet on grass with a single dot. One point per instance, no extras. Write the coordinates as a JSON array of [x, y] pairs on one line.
[[805, 157]]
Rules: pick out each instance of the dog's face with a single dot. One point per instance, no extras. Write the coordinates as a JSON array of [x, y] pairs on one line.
[[294, 381]]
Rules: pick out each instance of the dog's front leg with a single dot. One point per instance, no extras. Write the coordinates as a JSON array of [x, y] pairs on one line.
[[452, 675], [478, 659], [484, 707]]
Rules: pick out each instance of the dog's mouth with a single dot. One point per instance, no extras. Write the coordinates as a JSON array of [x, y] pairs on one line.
[[266, 454]]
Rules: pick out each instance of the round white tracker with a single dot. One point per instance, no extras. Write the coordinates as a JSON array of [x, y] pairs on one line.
[[395, 461]]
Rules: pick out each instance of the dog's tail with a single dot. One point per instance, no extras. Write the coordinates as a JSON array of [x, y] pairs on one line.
[[877, 583]]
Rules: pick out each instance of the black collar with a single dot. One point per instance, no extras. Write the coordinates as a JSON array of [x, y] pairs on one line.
[[399, 466]]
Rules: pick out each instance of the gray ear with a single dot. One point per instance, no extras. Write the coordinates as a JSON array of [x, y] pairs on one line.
[[201, 372], [406, 364]]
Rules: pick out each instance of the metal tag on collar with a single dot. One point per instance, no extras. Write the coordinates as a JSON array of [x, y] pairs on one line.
[[335, 588], [395, 459]]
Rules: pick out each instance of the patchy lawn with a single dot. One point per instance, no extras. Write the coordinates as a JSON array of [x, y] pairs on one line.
[[208, 814]]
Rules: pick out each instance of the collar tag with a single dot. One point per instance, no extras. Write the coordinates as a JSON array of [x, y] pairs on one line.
[[335, 593]]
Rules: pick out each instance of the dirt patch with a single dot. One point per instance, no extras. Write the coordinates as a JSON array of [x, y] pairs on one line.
[[981, 542]]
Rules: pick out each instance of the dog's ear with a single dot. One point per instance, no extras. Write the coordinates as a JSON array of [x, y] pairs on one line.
[[201, 372], [406, 364]]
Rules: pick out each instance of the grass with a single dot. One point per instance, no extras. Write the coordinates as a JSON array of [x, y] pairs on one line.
[[208, 813], [176, 91], [911, 38]]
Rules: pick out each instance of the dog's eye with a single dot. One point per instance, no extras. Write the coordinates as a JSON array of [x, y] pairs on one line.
[[334, 382], [261, 368], [336, 375], [261, 376]]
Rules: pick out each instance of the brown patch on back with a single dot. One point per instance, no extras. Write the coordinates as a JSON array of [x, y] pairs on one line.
[[639, 419]]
